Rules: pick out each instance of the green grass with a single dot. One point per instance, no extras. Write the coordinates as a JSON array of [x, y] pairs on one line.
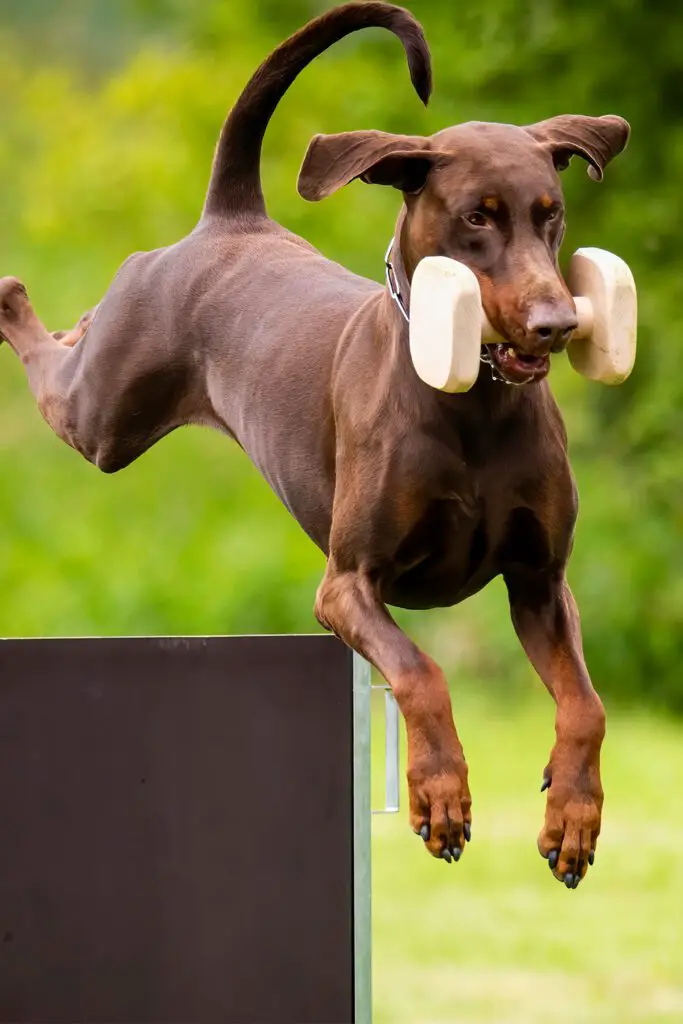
[[496, 938]]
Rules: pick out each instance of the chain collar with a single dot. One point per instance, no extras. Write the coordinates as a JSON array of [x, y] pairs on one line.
[[487, 358], [395, 292], [392, 283]]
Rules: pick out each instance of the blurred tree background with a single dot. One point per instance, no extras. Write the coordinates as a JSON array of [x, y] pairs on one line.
[[108, 120]]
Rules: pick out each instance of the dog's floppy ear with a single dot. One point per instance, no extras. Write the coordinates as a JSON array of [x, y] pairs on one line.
[[378, 158], [597, 139]]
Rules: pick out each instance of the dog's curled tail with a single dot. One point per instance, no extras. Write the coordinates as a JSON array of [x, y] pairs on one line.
[[235, 185]]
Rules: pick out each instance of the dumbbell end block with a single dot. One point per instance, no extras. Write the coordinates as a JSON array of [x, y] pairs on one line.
[[445, 307], [604, 346]]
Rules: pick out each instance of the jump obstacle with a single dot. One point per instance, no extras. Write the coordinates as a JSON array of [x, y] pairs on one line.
[[186, 831]]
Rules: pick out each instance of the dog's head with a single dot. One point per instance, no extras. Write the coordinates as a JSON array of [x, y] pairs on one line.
[[488, 195]]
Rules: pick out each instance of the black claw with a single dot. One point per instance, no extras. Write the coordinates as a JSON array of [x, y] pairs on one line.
[[457, 854], [577, 879], [467, 831], [546, 784], [446, 854], [591, 858], [569, 880], [424, 833], [553, 858]]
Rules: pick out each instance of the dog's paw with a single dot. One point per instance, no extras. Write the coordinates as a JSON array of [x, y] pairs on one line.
[[13, 302], [573, 814], [441, 807]]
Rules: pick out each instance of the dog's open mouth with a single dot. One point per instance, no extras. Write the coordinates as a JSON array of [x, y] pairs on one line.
[[515, 366]]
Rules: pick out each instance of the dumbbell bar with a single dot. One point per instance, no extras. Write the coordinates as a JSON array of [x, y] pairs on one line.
[[448, 325]]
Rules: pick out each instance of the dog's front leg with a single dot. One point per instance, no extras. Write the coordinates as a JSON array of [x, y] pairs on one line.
[[546, 618], [440, 803]]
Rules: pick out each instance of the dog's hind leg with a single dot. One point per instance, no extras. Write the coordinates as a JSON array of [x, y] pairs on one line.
[[440, 802], [105, 391], [69, 338], [48, 360]]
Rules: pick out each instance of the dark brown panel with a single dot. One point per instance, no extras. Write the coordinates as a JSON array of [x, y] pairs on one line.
[[176, 831]]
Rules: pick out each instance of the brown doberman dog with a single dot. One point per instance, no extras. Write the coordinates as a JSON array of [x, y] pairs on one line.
[[418, 498]]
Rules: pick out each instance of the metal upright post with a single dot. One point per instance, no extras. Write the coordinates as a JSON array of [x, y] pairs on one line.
[[362, 879]]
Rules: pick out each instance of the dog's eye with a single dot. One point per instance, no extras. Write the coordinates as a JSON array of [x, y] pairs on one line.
[[477, 219], [553, 214]]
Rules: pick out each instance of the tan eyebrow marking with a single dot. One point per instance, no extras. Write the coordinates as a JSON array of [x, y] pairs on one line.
[[490, 202], [546, 201]]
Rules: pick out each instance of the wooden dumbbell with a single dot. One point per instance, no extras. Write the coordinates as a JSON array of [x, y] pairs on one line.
[[448, 325]]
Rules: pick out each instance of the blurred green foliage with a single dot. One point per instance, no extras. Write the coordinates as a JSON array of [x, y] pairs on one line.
[[108, 120]]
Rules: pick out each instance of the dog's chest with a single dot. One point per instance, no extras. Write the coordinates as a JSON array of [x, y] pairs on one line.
[[465, 538]]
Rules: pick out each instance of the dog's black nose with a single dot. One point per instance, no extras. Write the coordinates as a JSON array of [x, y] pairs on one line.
[[552, 326]]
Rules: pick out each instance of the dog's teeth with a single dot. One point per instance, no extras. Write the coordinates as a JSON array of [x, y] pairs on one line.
[[511, 350]]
